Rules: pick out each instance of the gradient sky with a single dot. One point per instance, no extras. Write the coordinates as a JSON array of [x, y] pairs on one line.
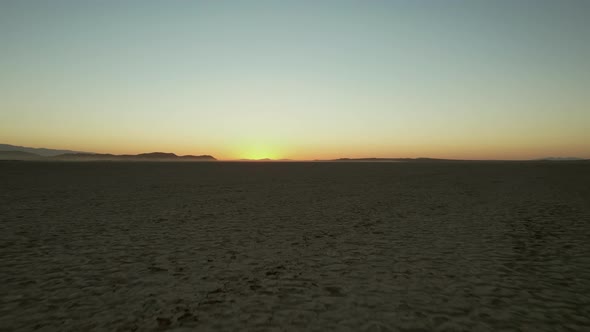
[[298, 79]]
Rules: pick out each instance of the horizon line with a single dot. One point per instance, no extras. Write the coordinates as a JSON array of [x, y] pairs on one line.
[[72, 153]]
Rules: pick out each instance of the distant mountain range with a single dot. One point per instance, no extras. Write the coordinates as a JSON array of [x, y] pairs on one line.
[[562, 158], [12, 152], [389, 159], [443, 160], [18, 155], [153, 156], [37, 151]]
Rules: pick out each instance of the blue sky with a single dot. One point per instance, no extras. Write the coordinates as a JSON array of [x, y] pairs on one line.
[[298, 79]]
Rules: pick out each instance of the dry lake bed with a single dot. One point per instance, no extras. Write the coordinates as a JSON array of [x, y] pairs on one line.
[[474, 246]]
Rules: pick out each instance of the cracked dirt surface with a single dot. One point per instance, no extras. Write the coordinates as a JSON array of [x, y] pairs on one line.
[[295, 246]]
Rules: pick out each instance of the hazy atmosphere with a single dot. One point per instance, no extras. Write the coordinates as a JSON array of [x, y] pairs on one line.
[[367, 166], [298, 79]]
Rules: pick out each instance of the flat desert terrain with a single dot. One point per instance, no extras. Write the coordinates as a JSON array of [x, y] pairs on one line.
[[447, 246]]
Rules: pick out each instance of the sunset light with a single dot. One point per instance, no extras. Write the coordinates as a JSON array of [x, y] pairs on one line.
[[295, 165], [315, 80], [259, 152]]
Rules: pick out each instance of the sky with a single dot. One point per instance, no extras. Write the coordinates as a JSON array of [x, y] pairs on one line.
[[470, 79]]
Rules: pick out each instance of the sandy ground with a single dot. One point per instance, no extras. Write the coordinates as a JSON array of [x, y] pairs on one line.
[[295, 246]]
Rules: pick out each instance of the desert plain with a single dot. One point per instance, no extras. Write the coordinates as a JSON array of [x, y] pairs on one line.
[[407, 246]]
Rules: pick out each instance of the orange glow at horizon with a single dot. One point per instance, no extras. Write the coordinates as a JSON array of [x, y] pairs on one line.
[[518, 150], [397, 79]]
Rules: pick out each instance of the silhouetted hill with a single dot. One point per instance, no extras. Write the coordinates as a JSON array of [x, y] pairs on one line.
[[153, 156], [562, 159], [389, 159], [18, 155], [38, 151], [201, 157], [157, 155], [84, 156], [430, 160], [14, 152]]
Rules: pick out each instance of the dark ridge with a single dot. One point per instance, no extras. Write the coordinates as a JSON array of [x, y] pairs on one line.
[[390, 159], [18, 155], [201, 157], [156, 155], [562, 159], [153, 156], [42, 152]]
